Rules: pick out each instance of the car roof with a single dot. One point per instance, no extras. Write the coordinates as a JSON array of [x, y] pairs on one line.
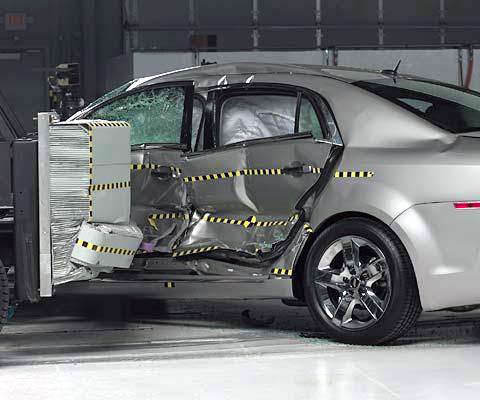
[[345, 74]]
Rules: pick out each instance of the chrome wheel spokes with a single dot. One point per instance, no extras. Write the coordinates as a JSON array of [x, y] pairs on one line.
[[372, 304], [330, 280], [351, 254], [352, 282], [344, 311]]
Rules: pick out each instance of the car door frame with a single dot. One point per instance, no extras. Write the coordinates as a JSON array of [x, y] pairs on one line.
[[185, 135], [211, 128], [212, 111]]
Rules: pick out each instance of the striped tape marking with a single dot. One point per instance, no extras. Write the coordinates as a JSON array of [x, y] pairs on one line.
[[110, 124], [169, 285], [152, 166], [307, 228], [282, 271], [110, 186], [90, 174], [315, 170], [194, 251], [91, 125], [246, 172], [354, 174], [152, 218], [249, 222], [105, 249]]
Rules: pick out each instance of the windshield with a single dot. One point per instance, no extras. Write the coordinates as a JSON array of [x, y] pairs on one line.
[[451, 108]]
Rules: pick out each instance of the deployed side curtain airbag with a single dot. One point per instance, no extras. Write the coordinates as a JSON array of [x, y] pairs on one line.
[[256, 117]]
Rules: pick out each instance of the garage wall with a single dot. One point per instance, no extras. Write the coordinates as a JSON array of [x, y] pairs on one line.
[[57, 31], [95, 32], [50, 36], [302, 24]]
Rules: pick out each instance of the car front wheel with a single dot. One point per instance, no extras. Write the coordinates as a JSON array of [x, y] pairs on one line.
[[360, 284]]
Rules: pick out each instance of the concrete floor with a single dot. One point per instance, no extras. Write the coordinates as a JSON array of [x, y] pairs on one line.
[[67, 349]]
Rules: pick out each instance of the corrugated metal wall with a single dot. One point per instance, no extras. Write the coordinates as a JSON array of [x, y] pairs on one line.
[[300, 24], [93, 31]]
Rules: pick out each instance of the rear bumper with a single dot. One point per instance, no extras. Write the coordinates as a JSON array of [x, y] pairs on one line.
[[444, 246]]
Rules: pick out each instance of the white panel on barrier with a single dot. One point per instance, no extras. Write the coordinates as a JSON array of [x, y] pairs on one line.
[[434, 64], [146, 64], [475, 80], [151, 63], [440, 64], [315, 57]]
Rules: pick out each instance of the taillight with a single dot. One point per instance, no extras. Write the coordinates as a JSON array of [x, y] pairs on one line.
[[467, 204]]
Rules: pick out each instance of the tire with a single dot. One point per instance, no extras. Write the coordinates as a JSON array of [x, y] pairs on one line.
[[4, 296], [362, 290]]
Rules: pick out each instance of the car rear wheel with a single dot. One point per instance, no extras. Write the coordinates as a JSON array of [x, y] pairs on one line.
[[4, 295], [360, 284]]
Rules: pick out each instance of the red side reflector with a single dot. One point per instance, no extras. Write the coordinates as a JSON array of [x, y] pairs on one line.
[[467, 204]]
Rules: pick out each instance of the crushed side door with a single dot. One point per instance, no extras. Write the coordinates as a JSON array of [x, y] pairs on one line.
[[248, 196], [160, 117]]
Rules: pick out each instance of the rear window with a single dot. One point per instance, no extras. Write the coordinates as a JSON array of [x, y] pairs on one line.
[[448, 107]]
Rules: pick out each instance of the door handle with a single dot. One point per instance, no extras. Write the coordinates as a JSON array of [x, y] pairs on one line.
[[163, 173], [297, 170]]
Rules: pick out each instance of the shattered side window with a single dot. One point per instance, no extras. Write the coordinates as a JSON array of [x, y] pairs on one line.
[[155, 115], [111, 94]]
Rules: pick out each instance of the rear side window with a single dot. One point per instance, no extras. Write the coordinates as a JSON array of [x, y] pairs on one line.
[[453, 109], [308, 120], [256, 117], [155, 115], [259, 116]]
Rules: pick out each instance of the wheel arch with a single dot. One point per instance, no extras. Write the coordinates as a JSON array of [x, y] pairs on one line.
[[299, 267]]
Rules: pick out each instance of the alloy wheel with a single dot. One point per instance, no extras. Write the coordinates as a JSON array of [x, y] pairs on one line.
[[352, 283]]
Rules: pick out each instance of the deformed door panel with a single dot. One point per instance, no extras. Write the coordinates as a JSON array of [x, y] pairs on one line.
[[301, 159], [159, 202], [246, 196], [206, 175], [160, 118]]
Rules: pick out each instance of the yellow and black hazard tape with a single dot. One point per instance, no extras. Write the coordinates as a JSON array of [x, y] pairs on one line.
[[282, 271], [307, 228], [105, 249], [110, 124], [110, 186], [169, 285], [354, 174], [152, 166], [315, 170], [247, 172], [249, 222], [90, 175], [194, 251], [91, 125], [154, 217]]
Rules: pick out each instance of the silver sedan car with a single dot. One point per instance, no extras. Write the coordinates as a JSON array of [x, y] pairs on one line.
[[351, 190]]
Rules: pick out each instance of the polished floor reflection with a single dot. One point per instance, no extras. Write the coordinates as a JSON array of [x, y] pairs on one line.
[[215, 350]]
